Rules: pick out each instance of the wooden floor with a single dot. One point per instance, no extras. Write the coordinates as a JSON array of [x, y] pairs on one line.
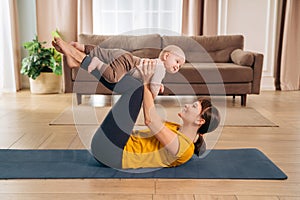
[[24, 122]]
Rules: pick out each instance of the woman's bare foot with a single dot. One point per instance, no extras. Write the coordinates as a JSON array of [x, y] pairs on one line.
[[57, 47], [78, 46], [74, 56]]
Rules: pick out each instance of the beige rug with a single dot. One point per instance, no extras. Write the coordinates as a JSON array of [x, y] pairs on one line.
[[86, 115]]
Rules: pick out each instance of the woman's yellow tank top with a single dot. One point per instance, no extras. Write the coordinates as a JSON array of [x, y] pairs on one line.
[[143, 150]]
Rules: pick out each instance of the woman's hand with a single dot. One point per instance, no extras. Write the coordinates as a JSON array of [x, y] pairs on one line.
[[147, 69]]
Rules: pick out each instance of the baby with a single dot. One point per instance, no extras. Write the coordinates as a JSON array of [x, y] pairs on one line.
[[113, 64]]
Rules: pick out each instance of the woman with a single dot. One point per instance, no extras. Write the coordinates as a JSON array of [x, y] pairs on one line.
[[165, 144]]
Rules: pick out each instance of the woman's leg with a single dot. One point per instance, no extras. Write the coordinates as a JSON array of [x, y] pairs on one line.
[[76, 58], [111, 137]]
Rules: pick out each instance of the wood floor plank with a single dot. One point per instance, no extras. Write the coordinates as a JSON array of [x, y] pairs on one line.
[[173, 197], [227, 187], [289, 197], [9, 138], [240, 197], [76, 144], [57, 141], [31, 140], [215, 197], [72, 196], [105, 186]]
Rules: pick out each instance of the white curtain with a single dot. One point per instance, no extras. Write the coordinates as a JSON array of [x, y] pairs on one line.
[[9, 50], [111, 17]]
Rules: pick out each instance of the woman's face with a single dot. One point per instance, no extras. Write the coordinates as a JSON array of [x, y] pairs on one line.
[[190, 112]]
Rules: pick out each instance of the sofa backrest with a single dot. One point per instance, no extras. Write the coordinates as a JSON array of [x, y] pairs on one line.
[[196, 48], [206, 48], [144, 46]]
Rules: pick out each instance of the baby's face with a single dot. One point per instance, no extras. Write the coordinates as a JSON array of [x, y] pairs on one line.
[[173, 62]]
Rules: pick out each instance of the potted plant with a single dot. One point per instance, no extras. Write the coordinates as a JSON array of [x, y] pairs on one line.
[[43, 66]]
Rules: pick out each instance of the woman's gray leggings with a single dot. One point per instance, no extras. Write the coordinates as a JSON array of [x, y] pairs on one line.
[[111, 137]]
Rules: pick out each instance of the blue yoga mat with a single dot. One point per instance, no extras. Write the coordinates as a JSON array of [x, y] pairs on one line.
[[218, 164]]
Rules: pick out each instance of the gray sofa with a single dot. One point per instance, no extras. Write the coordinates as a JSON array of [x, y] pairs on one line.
[[216, 65]]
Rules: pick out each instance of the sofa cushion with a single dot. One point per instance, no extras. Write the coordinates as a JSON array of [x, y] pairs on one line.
[[211, 73], [241, 57], [207, 89], [206, 48], [194, 73]]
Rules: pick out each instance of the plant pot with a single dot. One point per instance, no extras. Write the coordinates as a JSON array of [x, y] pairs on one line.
[[46, 83]]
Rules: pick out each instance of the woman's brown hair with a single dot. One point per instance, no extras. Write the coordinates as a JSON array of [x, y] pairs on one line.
[[212, 120]]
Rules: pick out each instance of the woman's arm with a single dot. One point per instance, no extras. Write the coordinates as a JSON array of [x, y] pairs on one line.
[[167, 137]]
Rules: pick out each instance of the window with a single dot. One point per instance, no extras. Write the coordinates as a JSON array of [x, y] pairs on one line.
[[111, 17]]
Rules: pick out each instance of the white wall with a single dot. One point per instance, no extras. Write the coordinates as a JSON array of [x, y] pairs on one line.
[[256, 20], [27, 28]]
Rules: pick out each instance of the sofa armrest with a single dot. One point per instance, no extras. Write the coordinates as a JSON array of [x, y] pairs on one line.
[[257, 72], [67, 77]]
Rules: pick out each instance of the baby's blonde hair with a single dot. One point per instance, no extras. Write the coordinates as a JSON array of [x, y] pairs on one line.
[[172, 49]]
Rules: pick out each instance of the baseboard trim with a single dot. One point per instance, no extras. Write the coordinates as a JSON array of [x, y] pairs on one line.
[[267, 83]]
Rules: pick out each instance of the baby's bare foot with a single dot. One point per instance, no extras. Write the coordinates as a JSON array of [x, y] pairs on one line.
[[74, 57], [78, 46]]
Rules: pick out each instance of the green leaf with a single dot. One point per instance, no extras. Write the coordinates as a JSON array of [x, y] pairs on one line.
[[55, 34]]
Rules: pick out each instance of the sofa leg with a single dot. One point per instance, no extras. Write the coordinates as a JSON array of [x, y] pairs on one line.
[[78, 98], [243, 99]]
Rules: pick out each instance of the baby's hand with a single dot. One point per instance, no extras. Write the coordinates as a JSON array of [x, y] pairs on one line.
[[162, 88]]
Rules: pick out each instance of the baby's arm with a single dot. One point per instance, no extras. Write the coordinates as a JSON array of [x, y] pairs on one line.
[[156, 80]]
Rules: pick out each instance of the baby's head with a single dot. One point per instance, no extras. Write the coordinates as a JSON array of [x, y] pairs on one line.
[[173, 57]]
